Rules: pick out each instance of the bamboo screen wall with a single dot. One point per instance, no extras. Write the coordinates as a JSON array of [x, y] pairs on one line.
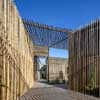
[[16, 63], [57, 69], [84, 64]]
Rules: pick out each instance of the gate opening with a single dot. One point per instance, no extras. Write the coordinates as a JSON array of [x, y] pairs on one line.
[[41, 65]]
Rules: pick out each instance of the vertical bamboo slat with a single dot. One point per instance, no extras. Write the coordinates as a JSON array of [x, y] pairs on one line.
[[84, 69], [14, 49]]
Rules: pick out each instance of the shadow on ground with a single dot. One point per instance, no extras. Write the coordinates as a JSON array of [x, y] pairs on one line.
[[58, 85]]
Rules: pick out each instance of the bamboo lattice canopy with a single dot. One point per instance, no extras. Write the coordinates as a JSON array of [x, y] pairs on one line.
[[48, 36]]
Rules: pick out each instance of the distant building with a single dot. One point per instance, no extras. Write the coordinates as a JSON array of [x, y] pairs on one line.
[[57, 70], [43, 72]]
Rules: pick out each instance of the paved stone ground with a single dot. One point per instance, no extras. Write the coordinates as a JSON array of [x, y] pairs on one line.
[[44, 84], [43, 91]]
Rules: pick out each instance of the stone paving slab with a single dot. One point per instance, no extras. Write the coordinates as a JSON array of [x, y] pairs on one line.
[[53, 93], [44, 91]]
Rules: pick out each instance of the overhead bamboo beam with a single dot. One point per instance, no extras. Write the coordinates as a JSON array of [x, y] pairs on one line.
[[44, 35]]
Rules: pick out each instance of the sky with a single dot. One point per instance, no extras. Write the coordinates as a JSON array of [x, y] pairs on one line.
[[62, 13], [70, 14], [58, 53]]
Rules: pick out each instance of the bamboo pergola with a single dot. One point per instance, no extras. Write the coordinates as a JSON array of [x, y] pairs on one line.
[[44, 35]]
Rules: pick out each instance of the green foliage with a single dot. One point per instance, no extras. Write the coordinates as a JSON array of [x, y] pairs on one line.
[[92, 83]]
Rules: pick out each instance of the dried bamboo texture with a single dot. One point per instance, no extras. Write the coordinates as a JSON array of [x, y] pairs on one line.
[[84, 59], [16, 63], [57, 69], [41, 51]]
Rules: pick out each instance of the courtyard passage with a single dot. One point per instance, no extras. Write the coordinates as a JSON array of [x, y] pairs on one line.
[[44, 91]]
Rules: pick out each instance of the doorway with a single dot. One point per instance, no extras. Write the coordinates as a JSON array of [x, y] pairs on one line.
[[41, 67]]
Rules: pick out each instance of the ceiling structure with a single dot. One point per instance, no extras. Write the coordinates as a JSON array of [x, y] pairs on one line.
[[48, 36]]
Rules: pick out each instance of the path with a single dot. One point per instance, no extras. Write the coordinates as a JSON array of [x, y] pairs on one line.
[[43, 91]]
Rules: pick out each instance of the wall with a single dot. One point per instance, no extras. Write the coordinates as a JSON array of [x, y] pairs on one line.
[[41, 51], [57, 69], [16, 61], [84, 55]]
